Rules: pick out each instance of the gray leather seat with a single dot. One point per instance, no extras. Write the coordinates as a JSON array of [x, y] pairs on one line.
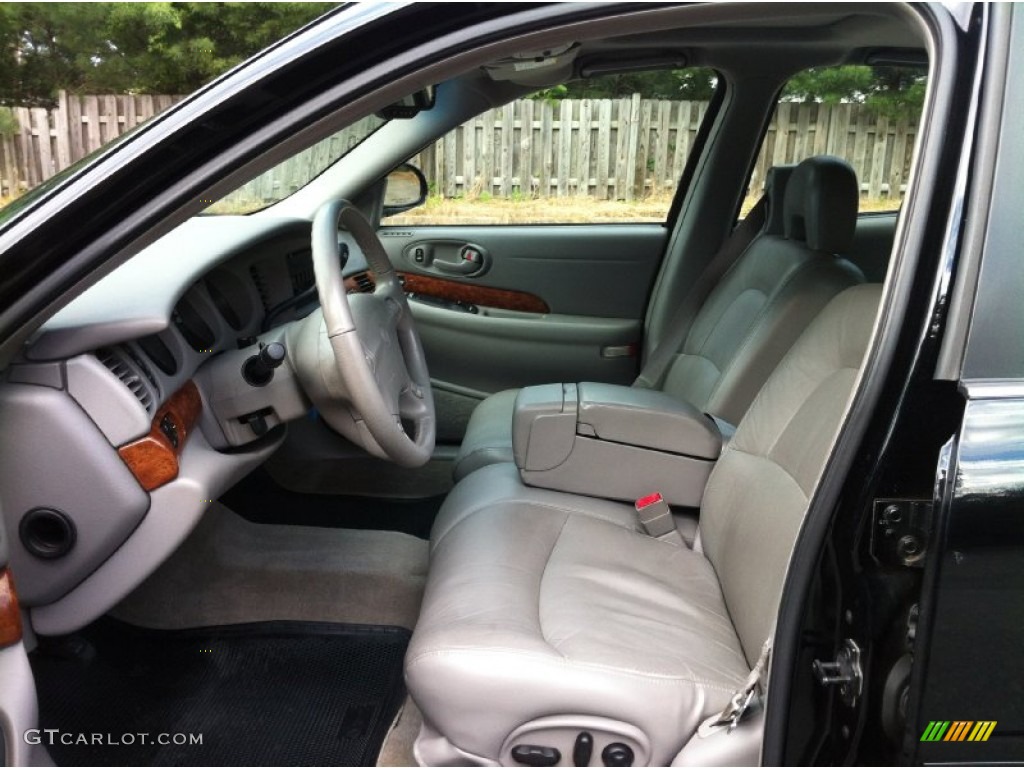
[[748, 321], [546, 613]]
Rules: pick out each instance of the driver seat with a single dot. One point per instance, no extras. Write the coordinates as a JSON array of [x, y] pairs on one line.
[[547, 615]]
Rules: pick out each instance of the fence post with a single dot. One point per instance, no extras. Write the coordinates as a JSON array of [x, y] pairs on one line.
[[604, 140], [62, 125], [878, 158], [898, 162], [11, 174], [526, 148], [507, 147], [631, 147]]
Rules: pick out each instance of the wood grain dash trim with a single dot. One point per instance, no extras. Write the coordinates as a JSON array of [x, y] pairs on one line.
[[153, 459], [10, 613], [452, 290]]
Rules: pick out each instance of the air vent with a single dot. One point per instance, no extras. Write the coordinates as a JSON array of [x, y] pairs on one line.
[[119, 362], [300, 270], [159, 353], [364, 283], [140, 363], [220, 301], [193, 327], [261, 287]]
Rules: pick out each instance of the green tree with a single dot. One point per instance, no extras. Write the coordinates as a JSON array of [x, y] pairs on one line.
[[696, 84], [889, 91], [141, 47]]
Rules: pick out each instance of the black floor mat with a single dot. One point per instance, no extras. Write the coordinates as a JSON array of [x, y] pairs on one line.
[[276, 693], [258, 499]]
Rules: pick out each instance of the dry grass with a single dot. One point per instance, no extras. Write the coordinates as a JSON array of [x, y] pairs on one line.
[[554, 210]]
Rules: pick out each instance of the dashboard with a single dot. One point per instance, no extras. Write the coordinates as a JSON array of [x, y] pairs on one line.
[[121, 438]]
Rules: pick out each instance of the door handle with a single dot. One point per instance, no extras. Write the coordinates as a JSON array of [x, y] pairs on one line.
[[469, 261], [448, 257]]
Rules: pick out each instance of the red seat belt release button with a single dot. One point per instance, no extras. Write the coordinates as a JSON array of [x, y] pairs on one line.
[[656, 516]]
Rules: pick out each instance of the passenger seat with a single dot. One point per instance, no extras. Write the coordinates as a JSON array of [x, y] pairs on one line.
[[783, 279], [549, 617]]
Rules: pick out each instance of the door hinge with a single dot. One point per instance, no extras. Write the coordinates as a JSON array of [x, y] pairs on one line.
[[900, 531], [845, 672]]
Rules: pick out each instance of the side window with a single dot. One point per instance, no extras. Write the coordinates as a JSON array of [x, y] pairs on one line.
[[866, 115], [603, 149]]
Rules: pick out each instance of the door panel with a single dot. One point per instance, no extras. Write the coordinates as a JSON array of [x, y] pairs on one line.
[[599, 271], [487, 351], [508, 306]]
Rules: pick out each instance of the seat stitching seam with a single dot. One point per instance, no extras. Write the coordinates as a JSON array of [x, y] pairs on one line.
[[774, 463], [751, 329], [818, 385], [540, 585], [654, 678]]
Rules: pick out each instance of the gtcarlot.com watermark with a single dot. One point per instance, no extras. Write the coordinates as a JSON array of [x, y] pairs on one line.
[[54, 736]]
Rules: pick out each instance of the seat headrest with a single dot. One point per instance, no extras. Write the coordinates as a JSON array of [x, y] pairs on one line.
[[775, 181], [821, 204]]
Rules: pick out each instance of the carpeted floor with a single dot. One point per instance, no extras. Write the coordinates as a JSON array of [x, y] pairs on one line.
[[397, 749], [277, 693], [233, 571]]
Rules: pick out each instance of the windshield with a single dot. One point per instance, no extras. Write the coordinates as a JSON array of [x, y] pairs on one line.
[[294, 173]]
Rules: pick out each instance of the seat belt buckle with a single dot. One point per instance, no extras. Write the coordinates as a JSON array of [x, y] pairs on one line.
[[656, 517]]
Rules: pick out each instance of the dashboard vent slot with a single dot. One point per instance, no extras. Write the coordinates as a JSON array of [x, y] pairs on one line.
[[217, 287], [159, 353], [119, 363], [193, 327], [140, 363], [364, 284], [300, 270], [261, 287]]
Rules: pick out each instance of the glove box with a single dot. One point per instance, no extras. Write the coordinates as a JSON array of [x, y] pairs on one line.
[[613, 442]]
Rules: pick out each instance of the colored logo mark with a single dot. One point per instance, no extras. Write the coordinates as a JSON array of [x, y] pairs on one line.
[[959, 730]]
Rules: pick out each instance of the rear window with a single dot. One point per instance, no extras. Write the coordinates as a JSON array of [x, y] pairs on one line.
[[869, 116]]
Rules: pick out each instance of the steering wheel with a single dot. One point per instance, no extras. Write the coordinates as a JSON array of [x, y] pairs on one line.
[[359, 356]]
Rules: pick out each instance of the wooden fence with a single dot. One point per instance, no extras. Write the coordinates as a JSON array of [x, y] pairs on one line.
[[50, 140], [621, 149], [630, 148]]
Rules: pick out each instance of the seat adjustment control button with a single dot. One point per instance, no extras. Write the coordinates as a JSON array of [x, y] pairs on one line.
[[532, 754], [617, 754], [583, 749]]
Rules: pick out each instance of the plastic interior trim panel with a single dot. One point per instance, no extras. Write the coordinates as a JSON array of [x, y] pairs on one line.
[[115, 309], [497, 349], [175, 509]]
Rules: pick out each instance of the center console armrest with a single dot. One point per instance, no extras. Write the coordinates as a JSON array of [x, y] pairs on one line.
[[614, 442]]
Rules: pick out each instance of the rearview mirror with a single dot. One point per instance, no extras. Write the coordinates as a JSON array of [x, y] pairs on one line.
[[405, 188], [410, 106]]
